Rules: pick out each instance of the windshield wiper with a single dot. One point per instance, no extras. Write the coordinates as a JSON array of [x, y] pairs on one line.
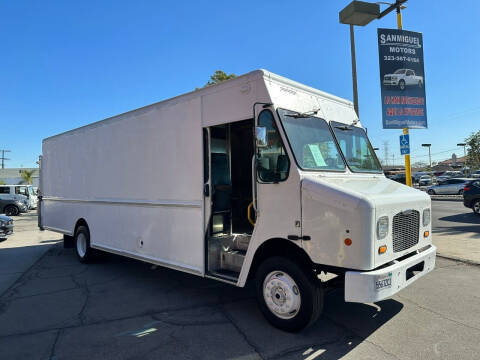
[[304, 115]]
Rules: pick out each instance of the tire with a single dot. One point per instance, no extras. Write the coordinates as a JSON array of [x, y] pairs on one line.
[[431, 192], [281, 283], [82, 244], [11, 210], [460, 192], [476, 206], [401, 85], [420, 84]]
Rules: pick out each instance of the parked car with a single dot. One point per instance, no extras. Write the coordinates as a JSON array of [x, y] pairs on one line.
[[425, 180], [471, 196], [441, 179], [403, 78], [6, 227], [476, 174], [12, 207], [448, 187], [401, 178], [25, 190]]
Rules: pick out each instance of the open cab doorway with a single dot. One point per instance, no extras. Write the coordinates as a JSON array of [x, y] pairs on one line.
[[228, 195]]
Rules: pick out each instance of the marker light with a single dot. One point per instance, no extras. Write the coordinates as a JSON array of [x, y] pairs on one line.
[[348, 241], [425, 234], [382, 249]]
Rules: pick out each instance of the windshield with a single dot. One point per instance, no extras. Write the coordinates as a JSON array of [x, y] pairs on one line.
[[312, 142], [356, 148], [400, 71]]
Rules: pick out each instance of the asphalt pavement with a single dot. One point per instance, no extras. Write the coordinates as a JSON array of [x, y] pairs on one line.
[[118, 308], [456, 231], [20, 251], [451, 217]]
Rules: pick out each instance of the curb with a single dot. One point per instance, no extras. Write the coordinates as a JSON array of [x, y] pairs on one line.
[[465, 261], [439, 198]]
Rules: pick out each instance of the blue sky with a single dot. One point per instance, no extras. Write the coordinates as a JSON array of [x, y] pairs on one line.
[[68, 63]]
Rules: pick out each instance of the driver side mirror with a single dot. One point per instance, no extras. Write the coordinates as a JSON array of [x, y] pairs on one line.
[[261, 136]]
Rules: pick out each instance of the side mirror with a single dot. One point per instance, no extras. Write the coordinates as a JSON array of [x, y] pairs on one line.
[[261, 136]]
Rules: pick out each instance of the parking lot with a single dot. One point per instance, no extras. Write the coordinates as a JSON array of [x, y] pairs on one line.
[[53, 307]]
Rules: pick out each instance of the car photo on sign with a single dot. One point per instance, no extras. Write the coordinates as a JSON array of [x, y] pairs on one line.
[[402, 78]]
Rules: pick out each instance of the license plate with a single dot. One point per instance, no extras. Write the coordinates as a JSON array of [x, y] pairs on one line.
[[383, 282]]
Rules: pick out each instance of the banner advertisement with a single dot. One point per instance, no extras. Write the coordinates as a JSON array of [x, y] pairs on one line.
[[402, 79]]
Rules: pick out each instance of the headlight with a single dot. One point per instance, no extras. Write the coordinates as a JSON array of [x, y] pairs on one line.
[[382, 227], [426, 217]]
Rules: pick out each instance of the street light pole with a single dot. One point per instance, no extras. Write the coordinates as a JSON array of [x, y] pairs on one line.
[[354, 70], [430, 160], [464, 158]]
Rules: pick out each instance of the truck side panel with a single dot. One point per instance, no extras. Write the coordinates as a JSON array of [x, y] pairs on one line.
[[136, 180]]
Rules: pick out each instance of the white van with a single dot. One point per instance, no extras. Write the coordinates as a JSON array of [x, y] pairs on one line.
[[258, 177], [24, 190]]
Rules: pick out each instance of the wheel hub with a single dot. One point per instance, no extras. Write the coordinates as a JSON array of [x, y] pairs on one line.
[[81, 244], [281, 294]]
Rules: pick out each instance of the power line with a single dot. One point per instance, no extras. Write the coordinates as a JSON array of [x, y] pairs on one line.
[[3, 158]]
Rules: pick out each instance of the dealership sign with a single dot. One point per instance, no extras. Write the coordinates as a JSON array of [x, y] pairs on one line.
[[402, 79]]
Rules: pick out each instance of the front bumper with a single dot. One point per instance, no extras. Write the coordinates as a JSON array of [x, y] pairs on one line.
[[390, 82], [376, 285]]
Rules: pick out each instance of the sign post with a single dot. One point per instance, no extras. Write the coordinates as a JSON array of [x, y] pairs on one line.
[[402, 80]]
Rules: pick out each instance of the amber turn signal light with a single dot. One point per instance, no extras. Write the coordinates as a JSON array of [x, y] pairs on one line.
[[382, 249], [426, 233], [348, 241]]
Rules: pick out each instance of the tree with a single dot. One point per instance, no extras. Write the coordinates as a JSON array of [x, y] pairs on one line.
[[473, 150], [27, 176], [219, 76]]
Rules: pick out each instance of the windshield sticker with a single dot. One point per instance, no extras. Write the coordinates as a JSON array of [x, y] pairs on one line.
[[317, 155]]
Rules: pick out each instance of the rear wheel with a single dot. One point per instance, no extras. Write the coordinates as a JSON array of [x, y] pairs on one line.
[[11, 210], [431, 192], [290, 297], [82, 244], [460, 192], [476, 206]]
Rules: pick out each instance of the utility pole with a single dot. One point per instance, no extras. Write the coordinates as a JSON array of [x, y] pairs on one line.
[[3, 158], [385, 152]]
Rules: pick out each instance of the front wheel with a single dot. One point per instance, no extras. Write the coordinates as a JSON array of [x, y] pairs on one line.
[[290, 297], [431, 192], [401, 85], [11, 210], [476, 207]]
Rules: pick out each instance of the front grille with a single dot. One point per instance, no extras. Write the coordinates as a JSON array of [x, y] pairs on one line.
[[406, 226]]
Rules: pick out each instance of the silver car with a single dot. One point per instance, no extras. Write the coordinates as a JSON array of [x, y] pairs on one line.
[[449, 187]]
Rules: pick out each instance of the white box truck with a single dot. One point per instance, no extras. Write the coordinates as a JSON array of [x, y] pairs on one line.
[[258, 177]]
